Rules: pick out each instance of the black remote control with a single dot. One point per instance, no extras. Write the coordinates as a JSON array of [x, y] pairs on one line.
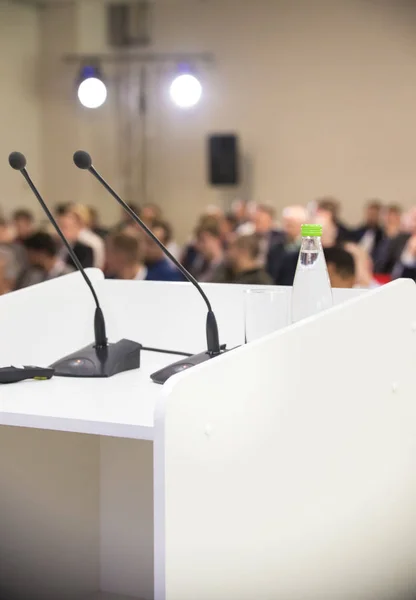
[[15, 374]]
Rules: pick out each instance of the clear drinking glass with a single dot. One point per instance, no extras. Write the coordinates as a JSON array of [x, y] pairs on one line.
[[265, 311]]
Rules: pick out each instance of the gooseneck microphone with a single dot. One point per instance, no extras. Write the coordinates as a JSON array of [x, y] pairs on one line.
[[83, 161], [18, 162], [100, 359]]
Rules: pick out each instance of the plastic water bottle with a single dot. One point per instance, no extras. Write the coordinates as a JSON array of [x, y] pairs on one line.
[[311, 288]]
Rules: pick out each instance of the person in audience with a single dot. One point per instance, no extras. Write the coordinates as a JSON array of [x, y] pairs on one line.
[[364, 277], [5, 286], [44, 260], [228, 228], [150, 213], [23, 223], [9, 269], [327, 209], [159, 268], [125, 257], [170, 243], [341, 267], [392, 243], [212, 211], [210, 247], [72, 226], [406, 263], [126, 223], [330, 233], [282, 257], [264, 228], [370, 234], [242, 263], [94, 220], [88, 237], [6, 232], [293, 217], [240, 211], [392, 220], [191, 257], [132, 229], [13, 251]]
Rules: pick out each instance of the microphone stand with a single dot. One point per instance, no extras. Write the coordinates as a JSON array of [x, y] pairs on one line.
[[83, 161], [100, 359]]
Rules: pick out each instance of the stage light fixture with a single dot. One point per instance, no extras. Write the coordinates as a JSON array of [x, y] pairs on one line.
[[185, 90], [92, 91]]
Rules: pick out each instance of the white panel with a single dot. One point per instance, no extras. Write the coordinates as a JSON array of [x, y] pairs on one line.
[[172, 315], [44, 322], [289, 463]]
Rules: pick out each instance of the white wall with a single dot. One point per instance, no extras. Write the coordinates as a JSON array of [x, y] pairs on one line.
[[20, 107], [321, 93]]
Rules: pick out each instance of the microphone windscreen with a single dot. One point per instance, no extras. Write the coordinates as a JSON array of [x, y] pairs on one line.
[[17, 161], [82, 159]]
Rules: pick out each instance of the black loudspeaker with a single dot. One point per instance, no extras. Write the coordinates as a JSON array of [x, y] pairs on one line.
[[223, 159]]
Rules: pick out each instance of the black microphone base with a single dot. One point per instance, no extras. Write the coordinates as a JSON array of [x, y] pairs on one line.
[[182, 365], [100, 361]]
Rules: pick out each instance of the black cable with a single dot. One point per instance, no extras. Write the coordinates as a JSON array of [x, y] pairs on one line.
[[160, 351]]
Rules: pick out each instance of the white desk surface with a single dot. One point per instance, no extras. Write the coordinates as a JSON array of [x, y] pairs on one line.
[[120, 406], [50, 320]]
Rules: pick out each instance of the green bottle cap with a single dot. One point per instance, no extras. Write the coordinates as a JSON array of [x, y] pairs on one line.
[[311, 230]]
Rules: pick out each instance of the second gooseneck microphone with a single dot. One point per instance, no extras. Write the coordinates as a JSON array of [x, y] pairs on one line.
[[101, 359], [83, 161]]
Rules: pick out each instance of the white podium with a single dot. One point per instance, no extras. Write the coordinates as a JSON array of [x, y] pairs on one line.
[[283, 470]]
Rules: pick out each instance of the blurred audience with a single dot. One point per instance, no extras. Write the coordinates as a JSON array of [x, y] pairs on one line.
[[125, 257], [7, 235], [23, 223], [9, 270], [126, 223], [406, 263], [370, 234], [245, 245], [265, 229], [228, 224], [159, 268], [327, 213], [44, 261], [241, 211], [363, 266], [72, 228], [210, 250], [151, 213], [242, 264], [341, 267], [392, 242], [87, 236], [5, 285], [282, 256], [95, 224]]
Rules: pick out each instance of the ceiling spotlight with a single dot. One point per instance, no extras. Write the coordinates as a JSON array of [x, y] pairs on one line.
[[185, 90], [92, 91]]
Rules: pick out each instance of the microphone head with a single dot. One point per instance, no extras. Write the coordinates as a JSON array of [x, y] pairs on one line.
[[17, 161], [82, 160]]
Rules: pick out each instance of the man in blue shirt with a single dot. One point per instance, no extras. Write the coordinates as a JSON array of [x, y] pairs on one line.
[[159, 268]]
